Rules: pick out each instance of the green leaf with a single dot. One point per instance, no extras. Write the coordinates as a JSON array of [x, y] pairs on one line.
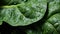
[[52, 25], [24, 13], [55, 21], [54, 7], [49, 29]]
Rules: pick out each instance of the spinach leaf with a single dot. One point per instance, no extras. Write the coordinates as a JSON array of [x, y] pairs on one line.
[[23, 14], [54, 7]]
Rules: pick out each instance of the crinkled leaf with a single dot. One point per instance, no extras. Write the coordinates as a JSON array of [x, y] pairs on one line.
[[48, 29], [23, 13], [52, 25], [54, 7], [55, 21]]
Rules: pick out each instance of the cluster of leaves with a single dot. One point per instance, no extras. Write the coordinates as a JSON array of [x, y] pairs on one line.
[[26, 12]]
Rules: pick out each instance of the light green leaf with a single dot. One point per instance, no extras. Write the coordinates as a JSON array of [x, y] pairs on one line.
[[54, 7], [24, 13]]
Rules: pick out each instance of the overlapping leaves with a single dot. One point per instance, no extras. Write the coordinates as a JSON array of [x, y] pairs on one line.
[[25, 13], [52, 24]]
